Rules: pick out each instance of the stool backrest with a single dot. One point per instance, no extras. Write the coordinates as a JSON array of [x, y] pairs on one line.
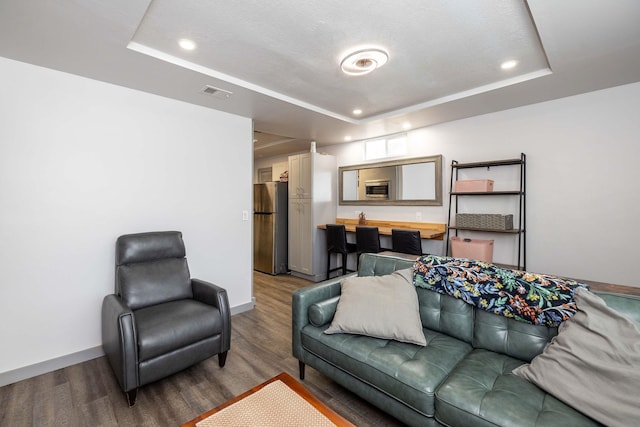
[[367, 240], [406, 241], [336, 238]]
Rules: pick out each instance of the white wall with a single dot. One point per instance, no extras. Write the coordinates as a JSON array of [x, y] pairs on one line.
[[583, 180], [82, 162]]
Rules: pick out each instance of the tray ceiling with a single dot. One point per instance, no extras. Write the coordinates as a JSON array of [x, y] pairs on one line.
[[278, 62]]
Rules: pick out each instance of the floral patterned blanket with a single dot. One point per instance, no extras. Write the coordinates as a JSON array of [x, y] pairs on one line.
[[534, 298]]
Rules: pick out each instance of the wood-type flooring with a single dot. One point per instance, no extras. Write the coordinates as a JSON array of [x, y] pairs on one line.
[[87, 394]]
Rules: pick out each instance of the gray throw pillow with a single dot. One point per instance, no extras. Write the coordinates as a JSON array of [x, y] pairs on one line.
[[593, 364], [381, 307]]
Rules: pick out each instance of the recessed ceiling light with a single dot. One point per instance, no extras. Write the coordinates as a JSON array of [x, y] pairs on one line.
[[357, 112], [406, 126], [507, 65], [363, 61], [187, 44], [347, 138]]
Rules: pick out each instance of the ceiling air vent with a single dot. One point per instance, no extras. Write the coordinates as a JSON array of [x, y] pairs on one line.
[[216, 92]]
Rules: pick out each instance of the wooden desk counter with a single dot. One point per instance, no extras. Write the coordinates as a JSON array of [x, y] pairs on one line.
[[428, 230]]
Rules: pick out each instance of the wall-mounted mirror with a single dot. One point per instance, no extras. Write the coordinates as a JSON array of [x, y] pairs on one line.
[[407, 182]]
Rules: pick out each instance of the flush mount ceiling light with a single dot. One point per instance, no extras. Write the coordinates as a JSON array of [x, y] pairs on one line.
[[187, 44], [363, 61], [507, 65]]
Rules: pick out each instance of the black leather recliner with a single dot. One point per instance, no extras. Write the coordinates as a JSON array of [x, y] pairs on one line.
[[160, 321]]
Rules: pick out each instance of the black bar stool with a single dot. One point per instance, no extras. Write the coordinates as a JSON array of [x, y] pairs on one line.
[[368, 241], [337, 244], [406, 241]]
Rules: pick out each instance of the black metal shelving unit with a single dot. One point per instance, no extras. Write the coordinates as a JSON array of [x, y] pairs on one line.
[[520, 232]]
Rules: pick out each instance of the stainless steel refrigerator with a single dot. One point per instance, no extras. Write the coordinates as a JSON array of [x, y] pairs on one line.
[[270, 227]]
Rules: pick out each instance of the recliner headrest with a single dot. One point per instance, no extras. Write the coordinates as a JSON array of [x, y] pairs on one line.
[[143, 247]]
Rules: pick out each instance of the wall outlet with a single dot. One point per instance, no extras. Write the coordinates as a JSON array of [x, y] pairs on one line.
[[418, 216]]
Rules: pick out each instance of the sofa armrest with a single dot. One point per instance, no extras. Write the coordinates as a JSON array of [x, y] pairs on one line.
[[216, 296], [323, 312], [301, 300], [119, 341]]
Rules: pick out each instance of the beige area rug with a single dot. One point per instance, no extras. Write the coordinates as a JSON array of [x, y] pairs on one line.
[[273, 405], [279, 402]]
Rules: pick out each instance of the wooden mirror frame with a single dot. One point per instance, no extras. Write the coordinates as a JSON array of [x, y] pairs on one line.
[[437, 201]]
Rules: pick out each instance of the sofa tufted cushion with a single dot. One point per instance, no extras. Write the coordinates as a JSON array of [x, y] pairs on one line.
[[482, 391], [379, 265], [379, 306], [626, 305], [511, 337], [406, 372], [446, 314]]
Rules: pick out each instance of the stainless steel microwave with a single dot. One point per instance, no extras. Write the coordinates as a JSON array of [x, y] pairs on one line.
[[376, 190]]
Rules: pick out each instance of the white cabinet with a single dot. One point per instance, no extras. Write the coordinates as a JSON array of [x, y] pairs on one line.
[[300, 175], [312, 201], [301, 232]]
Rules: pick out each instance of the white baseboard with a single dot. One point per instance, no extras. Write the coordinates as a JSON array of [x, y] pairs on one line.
[[243, 307], [50, 365], [311, 277]]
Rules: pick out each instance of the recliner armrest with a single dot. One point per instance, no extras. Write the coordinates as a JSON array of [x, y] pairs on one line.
[[209, 293], [119, 341], [216, 296]]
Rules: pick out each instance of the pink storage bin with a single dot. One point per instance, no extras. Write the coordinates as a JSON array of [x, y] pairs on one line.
[[474, 186], [478, 249]]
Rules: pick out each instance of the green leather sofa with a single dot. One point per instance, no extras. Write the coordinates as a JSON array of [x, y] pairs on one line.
[[461, 378]]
